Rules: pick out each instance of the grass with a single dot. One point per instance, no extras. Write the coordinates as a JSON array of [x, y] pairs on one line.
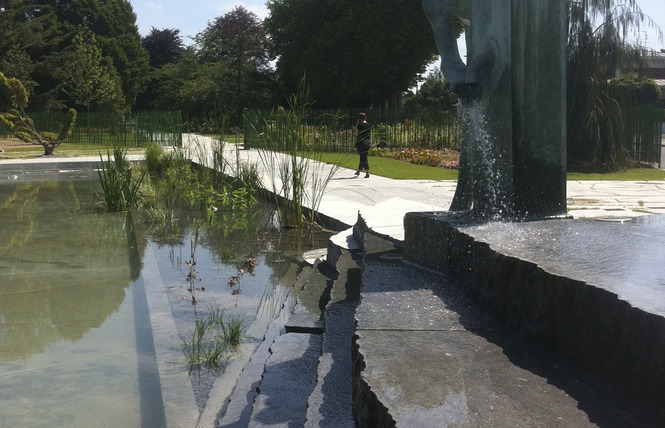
[[384, 167], [64, 150], [391, 168], [639, 174], [400, 170], [213, 339]]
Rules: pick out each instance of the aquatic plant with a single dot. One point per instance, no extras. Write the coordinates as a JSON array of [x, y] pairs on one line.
[[212, 339], [232, 331], [299, 175], [120, 188], [207, 187], [191, 263], [247, 267], [202, 350]]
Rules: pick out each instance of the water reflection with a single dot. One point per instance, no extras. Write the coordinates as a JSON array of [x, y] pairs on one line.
[[67, 342], [622, 257], [64, 268], [75, 322]]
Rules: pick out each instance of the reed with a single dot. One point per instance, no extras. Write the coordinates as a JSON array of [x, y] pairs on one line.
[[299, 177], [120, 187], [192, 274], [213, 339]]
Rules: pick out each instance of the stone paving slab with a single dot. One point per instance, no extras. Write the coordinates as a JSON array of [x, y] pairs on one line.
[[432, 358], [441, 378], [420, 301], [291, 367]]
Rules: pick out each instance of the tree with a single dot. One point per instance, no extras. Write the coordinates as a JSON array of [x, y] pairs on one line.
[[13, 100], [352, 53], [189, 86], [433, 93], [163, 46], [237, 41], [119, 38], [595, 52], [49, 27], [86, 78], [24, 41]]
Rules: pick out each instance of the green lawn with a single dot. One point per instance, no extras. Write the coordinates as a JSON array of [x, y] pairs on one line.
[[384, 167], [639, 174], [390, 168], [403, 170]]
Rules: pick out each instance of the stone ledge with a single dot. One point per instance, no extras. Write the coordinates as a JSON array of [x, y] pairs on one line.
[[588, 326]]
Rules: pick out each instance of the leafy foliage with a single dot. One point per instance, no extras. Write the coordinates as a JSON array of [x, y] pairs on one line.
[[163, 46], [120, 188], [352, 53], [13, 100], [38, 34], [595, 51], [630, 89], [86, 78], [433, 93], [237, 43]]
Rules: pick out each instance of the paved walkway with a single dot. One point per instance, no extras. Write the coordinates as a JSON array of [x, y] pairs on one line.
[[384, 201]]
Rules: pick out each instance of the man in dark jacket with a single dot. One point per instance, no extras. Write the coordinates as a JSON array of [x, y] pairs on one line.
[[363, 143]]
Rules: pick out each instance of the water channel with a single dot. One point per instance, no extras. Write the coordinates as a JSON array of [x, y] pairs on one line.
[[80, 342]]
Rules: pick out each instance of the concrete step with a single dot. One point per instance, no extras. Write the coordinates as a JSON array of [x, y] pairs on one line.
[[331, 402], [288, 379], [307, 378], [237, 408], [306, 374], [301, 374], [275, 384], [425, 355]]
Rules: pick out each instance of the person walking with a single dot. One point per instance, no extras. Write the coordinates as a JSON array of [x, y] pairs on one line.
[[363, 143]]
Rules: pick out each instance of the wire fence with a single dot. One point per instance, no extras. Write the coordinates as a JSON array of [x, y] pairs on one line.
[[334, 130], [129, 130]]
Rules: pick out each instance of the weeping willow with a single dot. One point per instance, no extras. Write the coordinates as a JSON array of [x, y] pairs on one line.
[[596, 47]]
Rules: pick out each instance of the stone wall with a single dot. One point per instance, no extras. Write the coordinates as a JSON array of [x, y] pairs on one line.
[[589, 327]]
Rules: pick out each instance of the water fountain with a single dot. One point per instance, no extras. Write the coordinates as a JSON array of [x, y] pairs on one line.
[[513, 158], [560, 283]]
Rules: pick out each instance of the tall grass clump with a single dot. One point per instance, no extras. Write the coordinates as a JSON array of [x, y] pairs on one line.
[[120, 187], [299, 177], [213, 340]]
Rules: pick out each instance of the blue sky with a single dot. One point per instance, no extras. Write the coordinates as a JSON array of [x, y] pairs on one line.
[[192, 17], [189, 16]]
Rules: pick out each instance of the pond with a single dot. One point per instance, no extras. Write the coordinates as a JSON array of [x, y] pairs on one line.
[[95, 307]]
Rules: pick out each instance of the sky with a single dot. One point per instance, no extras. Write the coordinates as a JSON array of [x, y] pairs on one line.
[[193, 18], [190, 18]]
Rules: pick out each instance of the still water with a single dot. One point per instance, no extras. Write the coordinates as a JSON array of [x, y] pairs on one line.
[[78, 292]]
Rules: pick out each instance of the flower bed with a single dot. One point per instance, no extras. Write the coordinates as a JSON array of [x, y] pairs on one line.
[[445, 158]]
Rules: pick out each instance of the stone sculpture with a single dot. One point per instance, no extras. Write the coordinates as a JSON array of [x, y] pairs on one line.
[[512, 94]]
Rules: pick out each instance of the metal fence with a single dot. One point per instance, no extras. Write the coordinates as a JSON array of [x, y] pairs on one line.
[[130, 129], [334, 130]]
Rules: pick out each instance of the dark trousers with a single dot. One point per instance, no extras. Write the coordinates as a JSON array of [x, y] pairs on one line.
[[364, 162]]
